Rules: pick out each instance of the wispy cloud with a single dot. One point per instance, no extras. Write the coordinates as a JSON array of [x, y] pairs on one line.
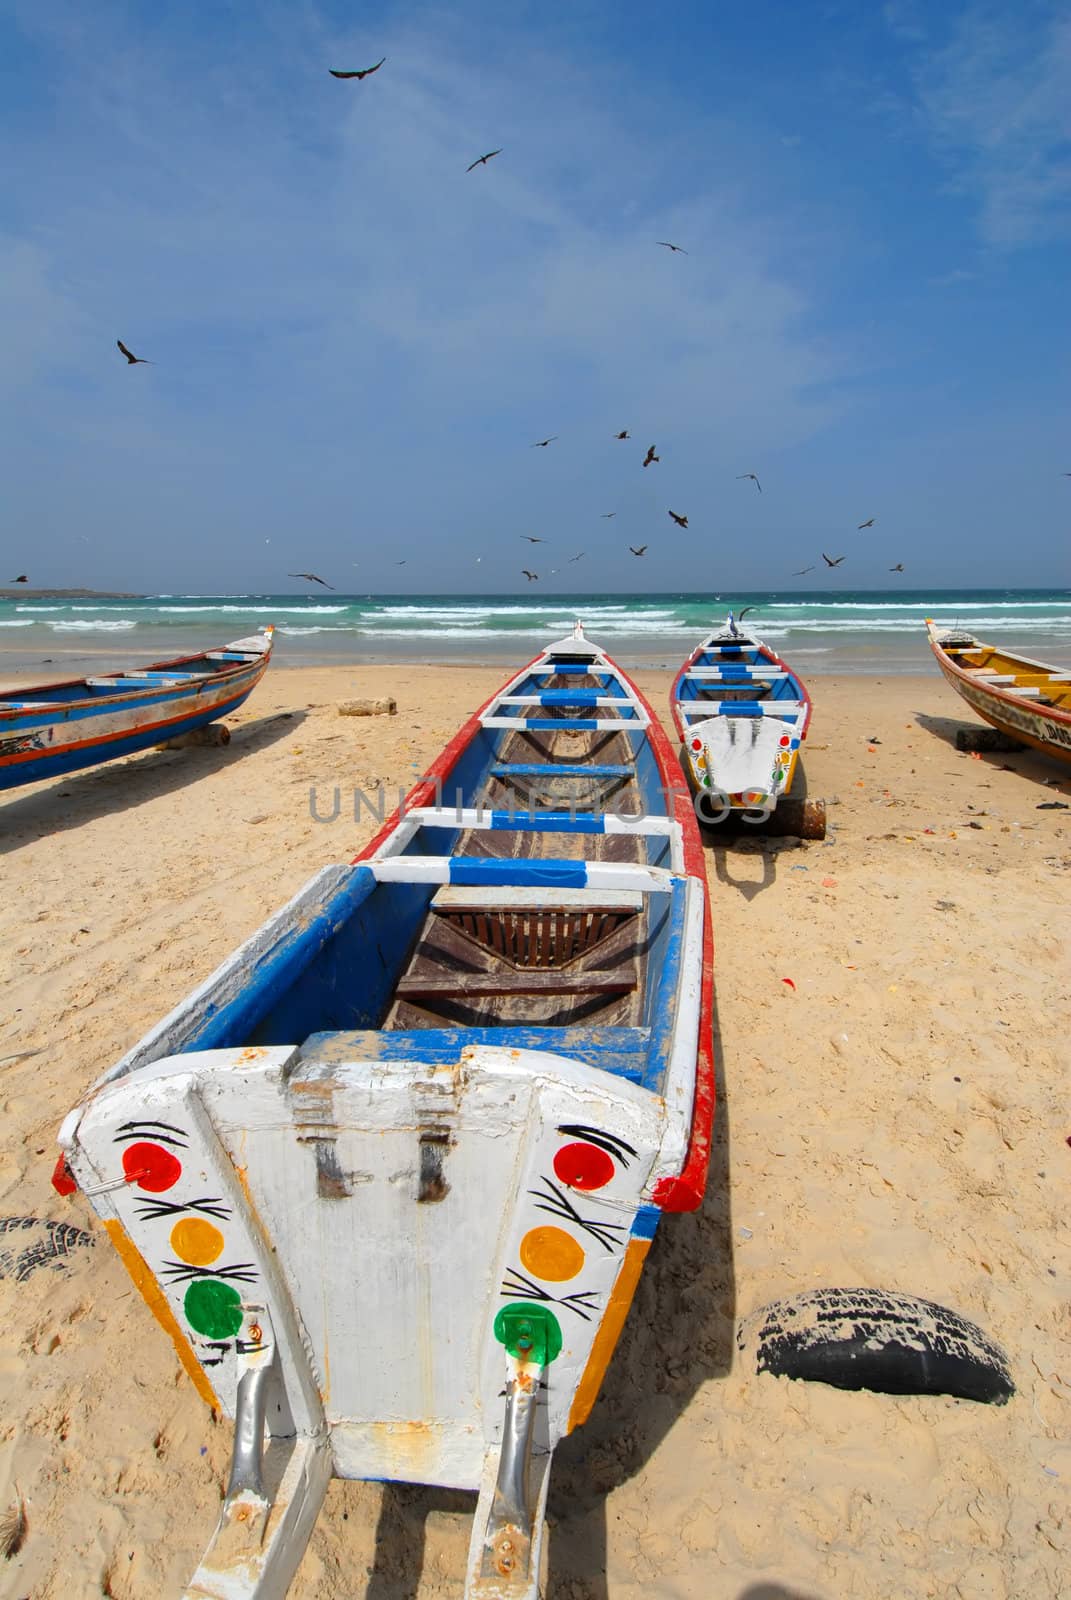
[[996, 99]]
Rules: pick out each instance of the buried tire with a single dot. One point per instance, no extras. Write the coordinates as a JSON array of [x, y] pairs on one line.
[[873, 1339]]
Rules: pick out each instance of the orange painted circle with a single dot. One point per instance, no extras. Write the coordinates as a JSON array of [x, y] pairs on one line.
[[196, 1241], [551, 1253]]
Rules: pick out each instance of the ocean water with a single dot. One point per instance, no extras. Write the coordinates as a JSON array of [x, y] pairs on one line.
[[845, 631]]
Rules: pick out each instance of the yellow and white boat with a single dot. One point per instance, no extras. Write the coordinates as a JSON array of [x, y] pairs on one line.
[[1025, 699]]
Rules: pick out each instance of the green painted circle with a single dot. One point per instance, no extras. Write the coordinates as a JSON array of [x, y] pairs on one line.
[[529, 1331], [213, 1308]]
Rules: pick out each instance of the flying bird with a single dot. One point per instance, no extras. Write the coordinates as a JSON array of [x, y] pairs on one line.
[[311, 576], [898, 568], [830, 561], [531, 576], [481, 160], [541, 444], [532, 538], [752, 476], [22, 579], [638, 552], [869, 524], [624, 434], [682, 522], [802, 571], [574, 558], [607, 514], [365, 72], [650, 456], [675, 247], [132, 358], [399, 563]]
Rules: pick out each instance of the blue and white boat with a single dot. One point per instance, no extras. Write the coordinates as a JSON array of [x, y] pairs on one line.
[[389, 1176], [741, 714], [55, 728]]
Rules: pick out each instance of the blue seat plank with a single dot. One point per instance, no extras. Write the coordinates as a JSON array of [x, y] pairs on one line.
[[514, 769]]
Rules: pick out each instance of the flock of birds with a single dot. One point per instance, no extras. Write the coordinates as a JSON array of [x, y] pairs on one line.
[[652, 456]]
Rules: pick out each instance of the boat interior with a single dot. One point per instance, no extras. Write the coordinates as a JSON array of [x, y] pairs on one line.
[[484, 923], [164, 675], [738, 673], [1032, 680]]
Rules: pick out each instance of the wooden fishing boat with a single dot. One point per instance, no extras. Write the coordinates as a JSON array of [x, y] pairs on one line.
[[59, 727], [1025, 699], [388, 1178], [741, 714]]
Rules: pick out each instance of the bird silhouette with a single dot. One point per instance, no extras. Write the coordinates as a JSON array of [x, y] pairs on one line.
[[898, 568], [831, 561], [869, 524], [650, 456], [482, 160], [532, 538], [682, 522], [607, 514], [541, 444], [400, 563], [531, 576], [312, 578], [638, 552], [752, 476], [624, 434], [134, 360], [365, 72], [574, 558], [802, 571], [22, 579], [676, 247]]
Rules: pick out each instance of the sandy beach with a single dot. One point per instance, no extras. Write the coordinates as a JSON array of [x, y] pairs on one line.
[[899, 1118]]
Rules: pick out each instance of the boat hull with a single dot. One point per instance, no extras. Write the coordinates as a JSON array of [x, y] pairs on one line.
[[1003, 704], [407, 1149], [42, 739]]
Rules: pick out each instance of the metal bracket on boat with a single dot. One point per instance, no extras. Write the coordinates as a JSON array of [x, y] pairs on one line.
[[507, 1552], [246, 1500]]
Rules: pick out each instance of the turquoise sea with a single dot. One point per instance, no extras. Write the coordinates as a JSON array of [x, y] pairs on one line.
[[843, 631]]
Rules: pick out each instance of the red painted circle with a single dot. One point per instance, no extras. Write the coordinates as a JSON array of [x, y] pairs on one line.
[[156, 1167], [583, 1166], [697, 744], [784, 741]]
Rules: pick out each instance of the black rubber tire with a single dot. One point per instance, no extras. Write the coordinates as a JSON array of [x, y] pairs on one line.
[[28, 1243], [874, 1339]]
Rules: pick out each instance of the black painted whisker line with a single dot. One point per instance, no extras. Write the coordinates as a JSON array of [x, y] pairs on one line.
[[558, 1205], [605, 1141], [523, 1287], [152, 1122], [154, 1130], [178, 1272], [211, 1205]]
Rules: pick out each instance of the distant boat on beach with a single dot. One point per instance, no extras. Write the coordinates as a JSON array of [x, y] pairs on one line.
[[54, 728], [741, 714], [1025, 699]]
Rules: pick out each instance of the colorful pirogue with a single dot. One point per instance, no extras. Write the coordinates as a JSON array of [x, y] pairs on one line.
[[388, 1178], [62, 727], [741, 714], [1025, 699]]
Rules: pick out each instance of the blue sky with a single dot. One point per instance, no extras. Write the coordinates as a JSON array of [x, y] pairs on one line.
[[356, 342]]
